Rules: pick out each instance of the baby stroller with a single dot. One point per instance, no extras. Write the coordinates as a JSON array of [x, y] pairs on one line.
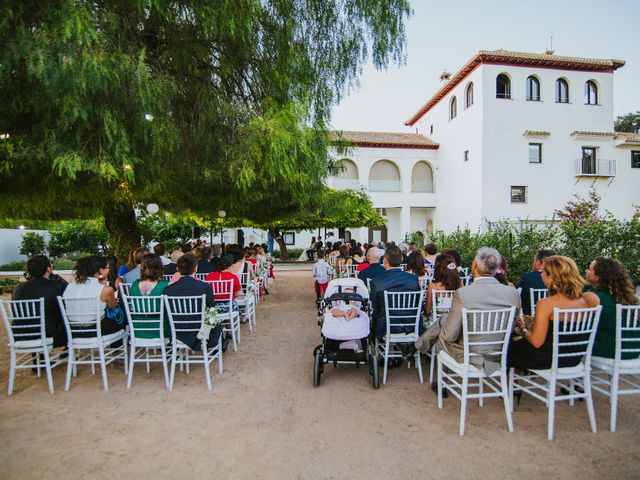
[[337, 333]]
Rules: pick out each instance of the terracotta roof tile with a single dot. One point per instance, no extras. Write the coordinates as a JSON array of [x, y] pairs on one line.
[[517, 58], [628, 137], [582, 133], [536, 133], [385, 139]]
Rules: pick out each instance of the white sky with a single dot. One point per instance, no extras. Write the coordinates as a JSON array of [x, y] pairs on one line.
[[446, 34]]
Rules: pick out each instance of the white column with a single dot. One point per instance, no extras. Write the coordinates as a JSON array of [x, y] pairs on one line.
[[405, 222]]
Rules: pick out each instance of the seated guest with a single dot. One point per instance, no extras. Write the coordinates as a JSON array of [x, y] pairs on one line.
[[91, 275], [171, 268], [159, 250], [611, 282], [456, 258], [113, 280], [150, 284], [532, 279], [177, 276], [43, 283], [188, 285], [311, 250], [134, 274], [415, 265], [485, 293], [356, 257], [226, 262], [404, 248], [204, 264], [372, 269], [129, 265], [394, 279], [430, 254], [501, 274], [445, 277], [216, 253], [534, 351], [342, 258]]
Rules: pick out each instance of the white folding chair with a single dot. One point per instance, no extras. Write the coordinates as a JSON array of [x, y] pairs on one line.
[[440, 303], [430, 269], [352, 271], [82, 319], [124, 289], [424, 283], [402, 310], [572, 339], [24, 321], [466, 280], [223, 294], [403, 266], [167, 278], [145, 316], [186, 315], [247, 303], [465, 270], [614, 374], [536, 294], [201, 276], [488, 332]]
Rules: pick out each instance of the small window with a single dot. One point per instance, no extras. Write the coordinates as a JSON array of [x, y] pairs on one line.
[[289, 238], [590, 93], [535, 153], [519, 194], [453, 108], [503, 86], [533, 89], [589, 161], [635, 159], [468, 95], [562, 91], [466, 155]]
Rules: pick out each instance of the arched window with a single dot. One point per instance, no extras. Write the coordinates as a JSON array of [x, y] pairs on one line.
[[453, 108], [562, 91], [384, 176], [422, 178], [590, 93], [468, 95], [533, 89], [348, 177], [503, 86]]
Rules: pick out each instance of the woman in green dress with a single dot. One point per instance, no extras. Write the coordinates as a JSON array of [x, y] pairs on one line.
[[611, 282], [152, 285]]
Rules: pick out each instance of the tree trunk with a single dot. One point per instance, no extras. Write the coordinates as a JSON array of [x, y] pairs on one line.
[[284, 253], [120, 220]]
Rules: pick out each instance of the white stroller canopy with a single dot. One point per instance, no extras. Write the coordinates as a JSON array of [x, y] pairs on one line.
[[341, 283]]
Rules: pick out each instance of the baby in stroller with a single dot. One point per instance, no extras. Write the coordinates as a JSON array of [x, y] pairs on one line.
[[344, 321]]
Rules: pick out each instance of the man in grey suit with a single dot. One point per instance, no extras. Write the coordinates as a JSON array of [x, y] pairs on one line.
[[485, 293]]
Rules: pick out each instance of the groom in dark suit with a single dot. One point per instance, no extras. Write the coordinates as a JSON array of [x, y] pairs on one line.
[[532, 279], [394, 279], [188, 285]]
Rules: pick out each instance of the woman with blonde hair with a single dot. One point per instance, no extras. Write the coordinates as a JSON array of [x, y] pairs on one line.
[[562, 278]]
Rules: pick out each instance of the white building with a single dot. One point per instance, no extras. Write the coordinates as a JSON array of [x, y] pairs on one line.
[[510, 136]]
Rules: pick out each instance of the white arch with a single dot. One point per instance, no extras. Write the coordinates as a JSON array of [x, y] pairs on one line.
[[348, 177], [422, 177], [384, 176]]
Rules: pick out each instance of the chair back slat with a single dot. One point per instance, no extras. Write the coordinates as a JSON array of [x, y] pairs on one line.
[[23, 319], [185, 314], [536, 294], [352, 271], [424, 282], [167, 278], [574, 332], [465, 280], [145, 314], [402, 309], [627, 331], [200, 276], [440, 303], [222, 291], [125, 288], [82, 315], [486, 333]]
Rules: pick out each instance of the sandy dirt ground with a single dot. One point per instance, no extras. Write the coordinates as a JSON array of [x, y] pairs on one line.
[[264, 419]]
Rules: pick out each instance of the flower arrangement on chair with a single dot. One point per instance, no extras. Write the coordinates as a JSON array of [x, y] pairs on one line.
[[211, 320]]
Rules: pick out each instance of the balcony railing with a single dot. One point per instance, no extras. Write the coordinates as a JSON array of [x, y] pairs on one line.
[[423, 187], [586, 167], [384, 185], [346, 184]]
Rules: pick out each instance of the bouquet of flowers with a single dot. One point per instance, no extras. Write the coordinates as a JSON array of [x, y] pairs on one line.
[[518, 334], [210, 321], [343, 273]]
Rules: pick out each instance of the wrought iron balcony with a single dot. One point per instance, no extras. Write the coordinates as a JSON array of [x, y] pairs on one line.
[[587, 167]]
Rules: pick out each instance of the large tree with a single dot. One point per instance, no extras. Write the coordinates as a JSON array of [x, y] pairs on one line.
[[193, 105], [628, 123]]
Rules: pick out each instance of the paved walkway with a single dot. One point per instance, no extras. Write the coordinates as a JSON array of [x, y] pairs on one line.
[[264, 419]]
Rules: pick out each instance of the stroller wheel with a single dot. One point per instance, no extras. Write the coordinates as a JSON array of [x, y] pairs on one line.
[[317, 369]]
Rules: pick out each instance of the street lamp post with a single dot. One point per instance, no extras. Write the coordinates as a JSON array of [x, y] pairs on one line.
[[222, 214]]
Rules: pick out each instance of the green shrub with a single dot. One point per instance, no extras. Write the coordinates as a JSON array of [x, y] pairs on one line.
[[19, 266], [64, 263], [74, 236], [294, 253], [32, 244], [9, 282]]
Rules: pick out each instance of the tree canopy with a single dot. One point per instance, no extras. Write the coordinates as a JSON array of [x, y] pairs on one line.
[[628, 123], [193, 105]]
